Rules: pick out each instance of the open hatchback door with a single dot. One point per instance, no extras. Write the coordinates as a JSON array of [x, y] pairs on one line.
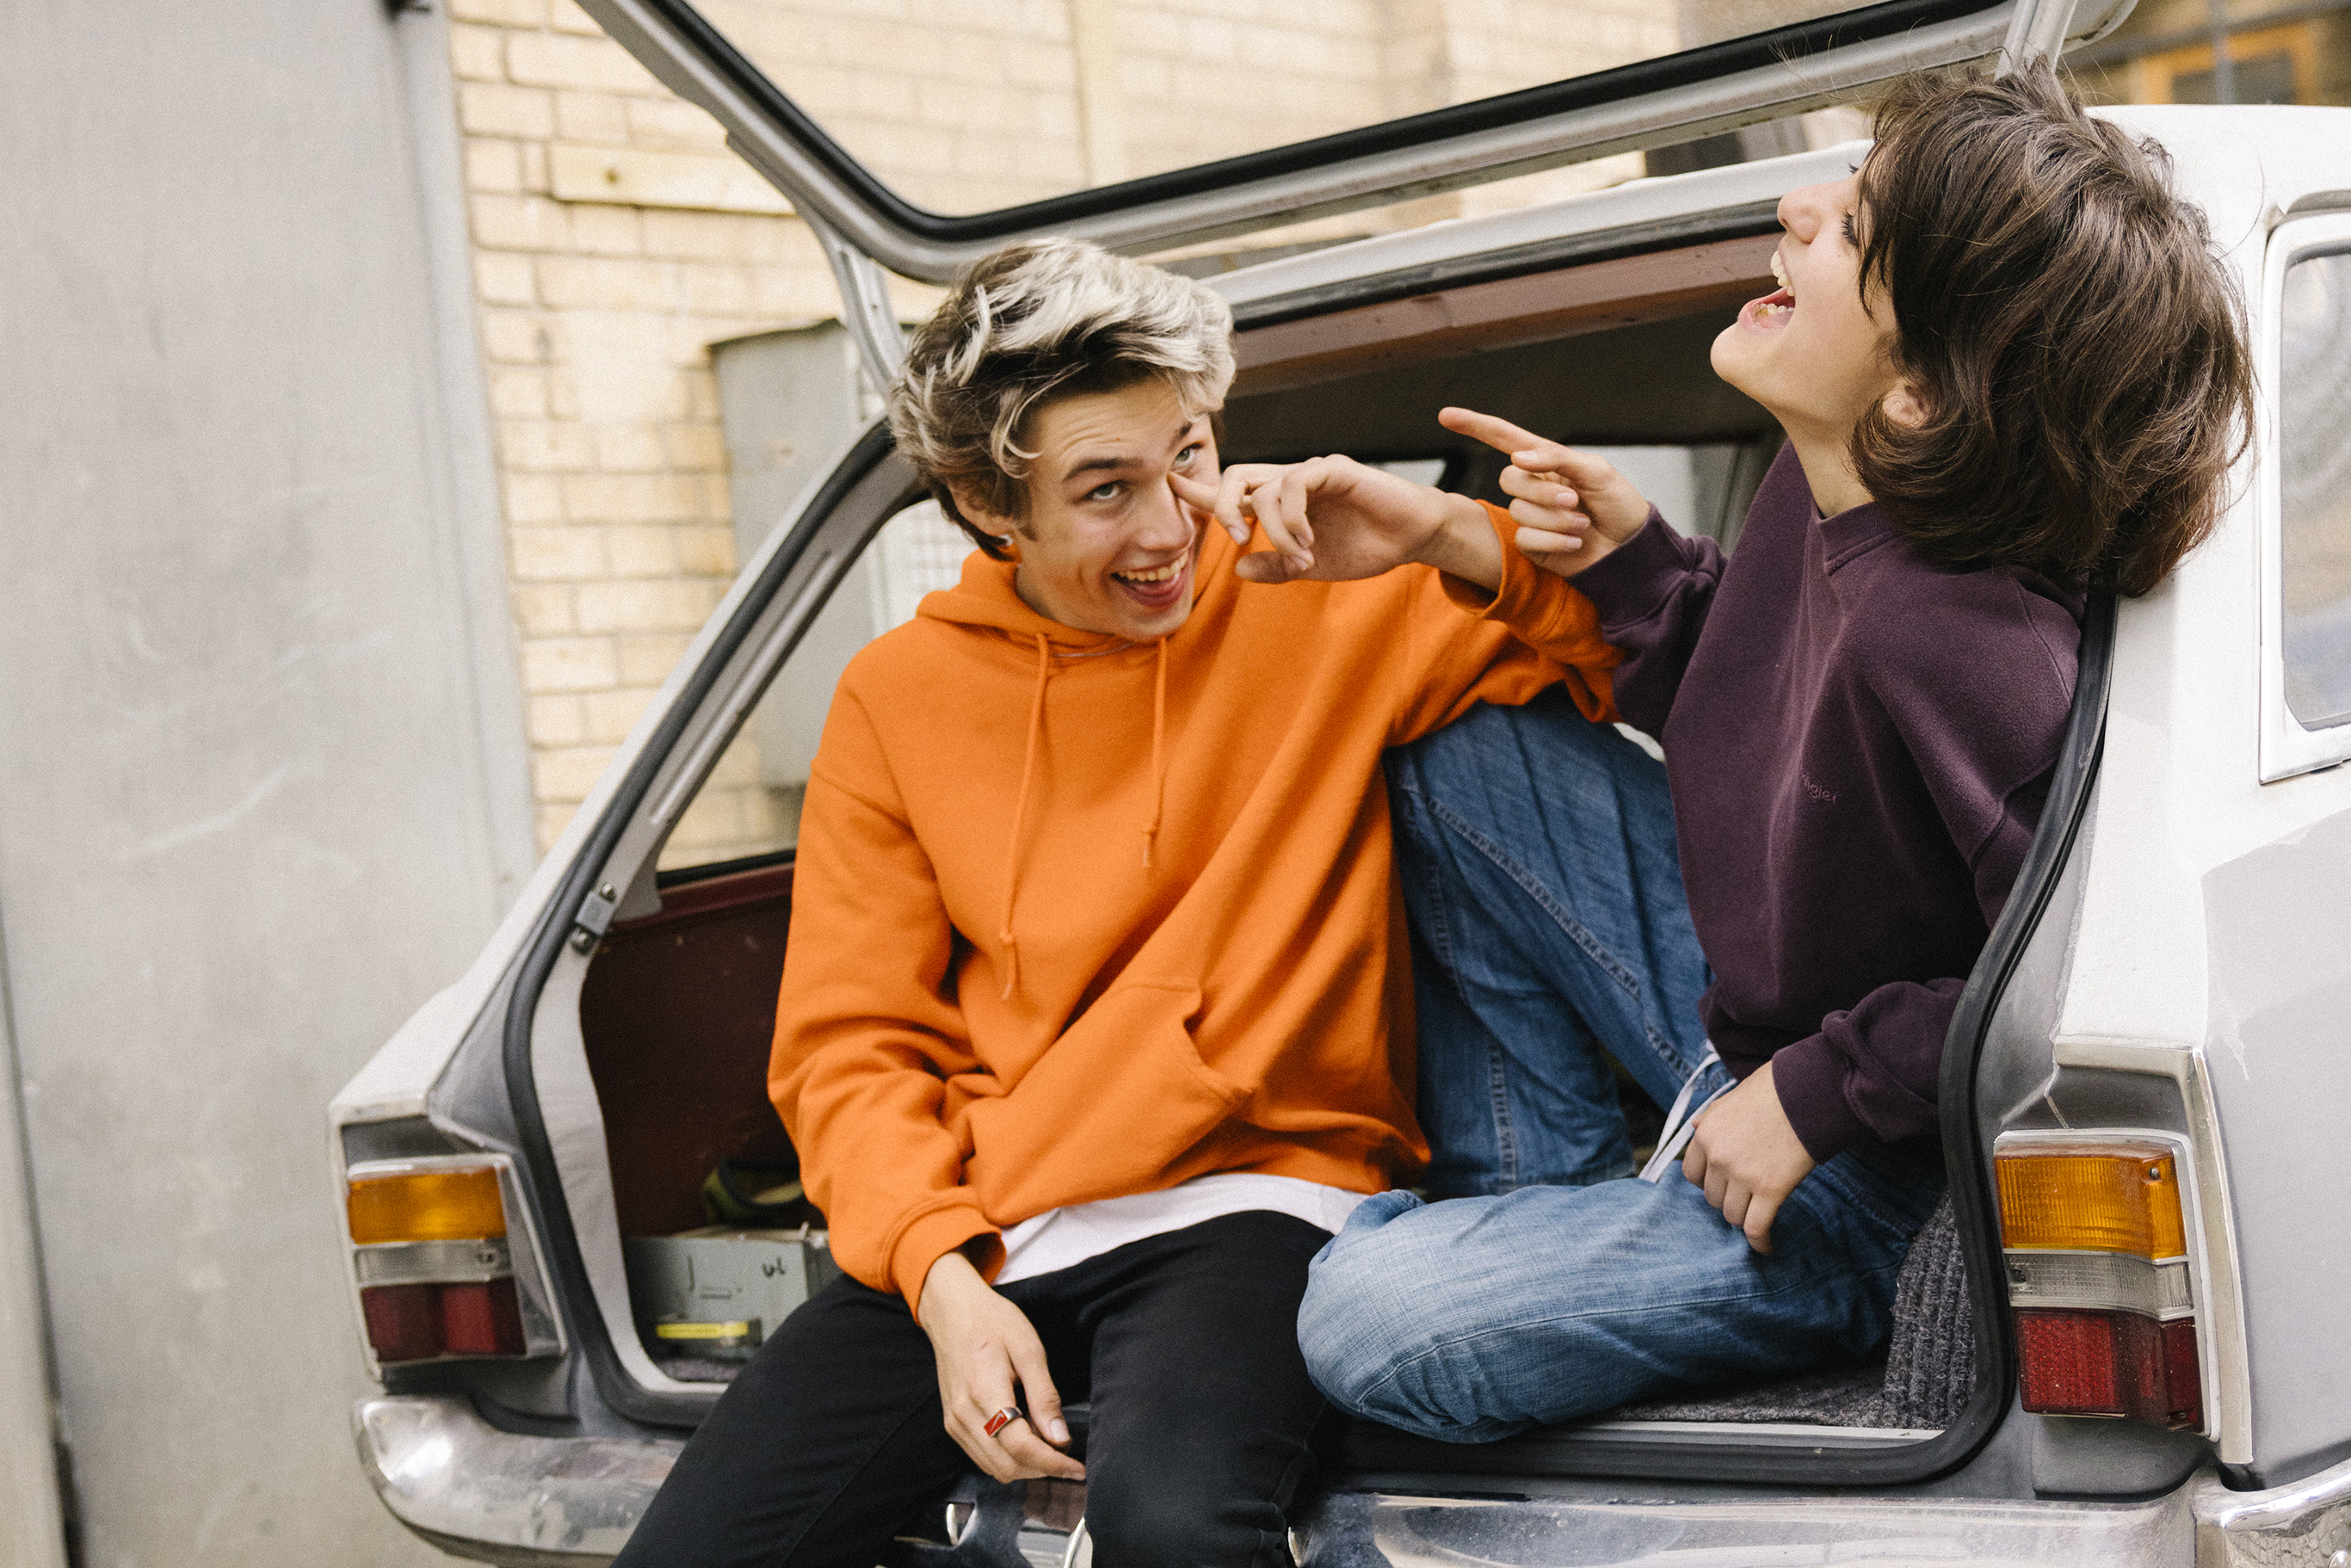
[[1169, 150]]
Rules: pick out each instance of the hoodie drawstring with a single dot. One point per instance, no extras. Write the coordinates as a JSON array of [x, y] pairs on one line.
[[1020, 812], [1158, 773], [1011, 944]]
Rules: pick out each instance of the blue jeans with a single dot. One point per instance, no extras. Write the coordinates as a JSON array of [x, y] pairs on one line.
[[1540, 876], [1550, 932]]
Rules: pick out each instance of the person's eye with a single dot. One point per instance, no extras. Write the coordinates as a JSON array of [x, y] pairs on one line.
[[1183, 458], [1106, 492], [1851, 238]]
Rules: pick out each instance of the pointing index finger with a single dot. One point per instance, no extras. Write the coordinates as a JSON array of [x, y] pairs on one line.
[[1498, 434]]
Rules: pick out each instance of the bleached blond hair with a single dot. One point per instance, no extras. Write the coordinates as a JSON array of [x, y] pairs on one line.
[[1033, 322]]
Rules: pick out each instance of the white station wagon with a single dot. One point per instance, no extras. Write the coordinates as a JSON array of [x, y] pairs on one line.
[[2144, 1096]]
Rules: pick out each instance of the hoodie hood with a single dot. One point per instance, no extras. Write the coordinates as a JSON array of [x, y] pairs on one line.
[[987, 601], [987, 598]]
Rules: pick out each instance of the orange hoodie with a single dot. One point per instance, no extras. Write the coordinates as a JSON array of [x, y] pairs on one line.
[[1076, 918]]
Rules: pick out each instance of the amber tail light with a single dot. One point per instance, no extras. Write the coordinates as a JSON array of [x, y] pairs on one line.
[[2094, 1235], [436, 1277]]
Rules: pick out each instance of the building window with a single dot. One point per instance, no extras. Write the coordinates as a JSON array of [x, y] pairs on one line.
[[2269, 64]]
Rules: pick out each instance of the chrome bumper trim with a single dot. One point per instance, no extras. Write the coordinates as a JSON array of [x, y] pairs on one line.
[[502, 1497], [2304, 1525], [1600, 1526]]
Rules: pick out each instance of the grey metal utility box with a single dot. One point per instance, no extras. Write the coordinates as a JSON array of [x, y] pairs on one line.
[[716, 1293]]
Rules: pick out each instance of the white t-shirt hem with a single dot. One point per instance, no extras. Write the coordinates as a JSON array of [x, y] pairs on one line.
[[1062, 1238]]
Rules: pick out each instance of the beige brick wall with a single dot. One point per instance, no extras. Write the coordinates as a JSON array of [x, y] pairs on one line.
[[615, 239], [962, 105], [595, 318]]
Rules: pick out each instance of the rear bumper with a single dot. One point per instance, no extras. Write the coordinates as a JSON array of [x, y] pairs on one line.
[[1423, 1532], [498, 1497], [570, 1502], [2305, 1525]]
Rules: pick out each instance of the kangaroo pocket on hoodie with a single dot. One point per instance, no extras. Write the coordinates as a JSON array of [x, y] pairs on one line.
[[1125, 1083]]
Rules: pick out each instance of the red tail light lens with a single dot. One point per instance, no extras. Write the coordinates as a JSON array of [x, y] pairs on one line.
[[482, 1319], [418, 1322], [2110, 1364], [404, 1322]]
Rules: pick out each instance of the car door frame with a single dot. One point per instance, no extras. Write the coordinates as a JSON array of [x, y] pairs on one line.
[[788, 586], [784, 590]]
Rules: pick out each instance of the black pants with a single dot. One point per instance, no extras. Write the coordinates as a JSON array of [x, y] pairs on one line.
[[1185, 1344]]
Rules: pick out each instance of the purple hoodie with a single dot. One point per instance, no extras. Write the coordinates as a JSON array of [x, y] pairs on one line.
[[1859, 743]]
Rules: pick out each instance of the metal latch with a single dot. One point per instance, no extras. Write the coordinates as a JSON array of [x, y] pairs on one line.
[[594, 919]]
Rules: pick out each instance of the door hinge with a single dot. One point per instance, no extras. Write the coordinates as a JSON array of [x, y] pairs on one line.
[[595, 917], [2037, 32], [866, 307]]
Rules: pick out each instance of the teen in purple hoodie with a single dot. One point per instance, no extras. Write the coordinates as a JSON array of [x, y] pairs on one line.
[[2009, 371]]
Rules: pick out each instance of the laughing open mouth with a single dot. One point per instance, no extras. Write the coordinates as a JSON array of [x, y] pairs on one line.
[[1783, 301]]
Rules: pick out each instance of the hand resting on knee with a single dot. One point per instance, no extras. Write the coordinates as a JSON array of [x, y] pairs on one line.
[[985, 1344], [1746, 1155]]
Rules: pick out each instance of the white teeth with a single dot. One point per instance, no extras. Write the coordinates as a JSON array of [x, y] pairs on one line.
[[1779, 273], [1157, 574]]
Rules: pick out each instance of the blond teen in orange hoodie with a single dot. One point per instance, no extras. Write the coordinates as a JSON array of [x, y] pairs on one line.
[[1097, 986]]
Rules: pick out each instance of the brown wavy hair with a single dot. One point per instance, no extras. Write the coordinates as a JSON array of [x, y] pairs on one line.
[[1030, 324], [2069, 331]]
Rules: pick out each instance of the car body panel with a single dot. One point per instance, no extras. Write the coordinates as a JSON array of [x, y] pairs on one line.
[[2215, 946], [548, 1502]]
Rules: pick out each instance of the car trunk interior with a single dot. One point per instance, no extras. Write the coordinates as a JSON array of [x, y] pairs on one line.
[[678, 1004]]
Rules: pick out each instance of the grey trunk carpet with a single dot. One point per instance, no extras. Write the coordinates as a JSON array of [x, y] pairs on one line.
[[1923, 1383]]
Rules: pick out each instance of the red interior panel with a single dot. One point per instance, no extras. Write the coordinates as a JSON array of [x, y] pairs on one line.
[[678, 1011]]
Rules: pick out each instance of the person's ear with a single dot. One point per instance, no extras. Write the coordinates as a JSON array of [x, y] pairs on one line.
[[1903, 405], [986, 518]]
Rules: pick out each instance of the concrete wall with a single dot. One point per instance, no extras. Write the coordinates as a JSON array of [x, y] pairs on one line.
[[262, 783]]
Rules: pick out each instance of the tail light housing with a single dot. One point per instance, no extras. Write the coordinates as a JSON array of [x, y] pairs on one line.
[[432, 1259], [2095, 1231]]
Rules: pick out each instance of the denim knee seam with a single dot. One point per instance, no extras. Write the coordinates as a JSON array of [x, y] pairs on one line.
[[1439, 933], [1533, 886], [1506, 1142], [1522, 1326], [1665, 1047]]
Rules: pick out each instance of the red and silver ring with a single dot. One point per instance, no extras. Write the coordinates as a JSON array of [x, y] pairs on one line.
[[1000, 1420]]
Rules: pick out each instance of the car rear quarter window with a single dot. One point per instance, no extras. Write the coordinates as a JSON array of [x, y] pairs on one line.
[[2314, 395], [751, 803]]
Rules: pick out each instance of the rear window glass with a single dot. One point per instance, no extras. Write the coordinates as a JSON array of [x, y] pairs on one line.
[[2314, 439], [751, 803], [974, 108]]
